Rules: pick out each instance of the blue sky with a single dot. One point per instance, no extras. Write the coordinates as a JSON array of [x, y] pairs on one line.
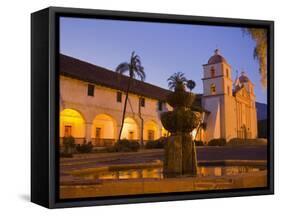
[[164, 48]]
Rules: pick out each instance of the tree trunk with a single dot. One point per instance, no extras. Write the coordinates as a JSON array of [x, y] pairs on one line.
[[141, 129], [124, 110]]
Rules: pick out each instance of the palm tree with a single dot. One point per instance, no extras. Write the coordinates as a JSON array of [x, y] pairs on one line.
[[177, 81], [135, 69], [190, 84], [260, 50]]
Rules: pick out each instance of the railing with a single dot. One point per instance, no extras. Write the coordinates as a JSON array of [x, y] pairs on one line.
[[99, 142], [76, 140], [103, 142], [111, 142]]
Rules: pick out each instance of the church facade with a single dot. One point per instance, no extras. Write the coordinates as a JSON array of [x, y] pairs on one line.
[[92, 101], [231, 105]]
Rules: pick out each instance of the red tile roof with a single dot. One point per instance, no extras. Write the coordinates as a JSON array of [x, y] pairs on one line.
[[85, 71], [216, 59], [77, 69]]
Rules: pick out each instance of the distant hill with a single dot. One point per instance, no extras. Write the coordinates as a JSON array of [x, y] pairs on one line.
[[261, 111]]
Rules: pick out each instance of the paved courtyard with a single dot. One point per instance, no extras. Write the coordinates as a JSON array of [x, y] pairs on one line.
[[72, 186], [81, 161]]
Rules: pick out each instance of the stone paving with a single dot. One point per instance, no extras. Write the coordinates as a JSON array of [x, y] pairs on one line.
[[203, 154], [73, 186]]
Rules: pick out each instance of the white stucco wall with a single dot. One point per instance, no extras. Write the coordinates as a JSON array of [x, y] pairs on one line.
[[73, 95], [229, 117], [221, 83], [213, 119], [227, 112]]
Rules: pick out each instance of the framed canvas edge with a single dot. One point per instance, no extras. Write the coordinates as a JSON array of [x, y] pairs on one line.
[[54, 203], [40, 156]]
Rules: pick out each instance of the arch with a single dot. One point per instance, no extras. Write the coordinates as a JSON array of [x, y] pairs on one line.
[[213, 72], [151, 130], [213, 88], [72, 123], [104, 127], [130, 129]]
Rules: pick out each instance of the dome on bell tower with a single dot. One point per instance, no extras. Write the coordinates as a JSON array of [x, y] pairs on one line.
[[216, 58], [243, 78]]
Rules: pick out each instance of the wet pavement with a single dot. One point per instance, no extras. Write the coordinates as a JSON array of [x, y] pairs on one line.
[[146, 156]]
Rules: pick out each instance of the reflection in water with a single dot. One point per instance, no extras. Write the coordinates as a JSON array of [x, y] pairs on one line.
[[157, 173], [227, 170]]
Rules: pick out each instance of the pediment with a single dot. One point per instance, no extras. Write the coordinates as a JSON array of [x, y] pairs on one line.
[[242, 92]]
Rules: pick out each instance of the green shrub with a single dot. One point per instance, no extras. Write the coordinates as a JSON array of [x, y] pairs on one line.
[[68, 144], [239, 141], [68, 141], [156, 144], [84, 148], [125, 145], [217, 142], [198, 143], [111, 149], [66, 155]]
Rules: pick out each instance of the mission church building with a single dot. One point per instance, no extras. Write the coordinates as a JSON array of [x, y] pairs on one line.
[[231, 105], [92, 100]]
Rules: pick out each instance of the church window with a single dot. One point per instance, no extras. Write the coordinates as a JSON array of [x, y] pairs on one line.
[[98, 133], [212, 71], [91, 90], [150, 134], [227, 73], [213, 88], [160, 105], [67, 130], [131, 135], [119, 97], [142, 102]]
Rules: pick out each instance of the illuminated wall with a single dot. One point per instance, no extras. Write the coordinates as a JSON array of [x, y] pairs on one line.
[[200, 134], [72, 121], [130, 129], [73, 94], [106, 125], [164, 132], [148, 128]]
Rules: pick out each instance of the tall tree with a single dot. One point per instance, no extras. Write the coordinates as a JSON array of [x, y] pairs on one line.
[[135, 69], [177, 81], [260, 50]]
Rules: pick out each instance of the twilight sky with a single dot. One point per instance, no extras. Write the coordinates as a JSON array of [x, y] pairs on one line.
[[164, 48]]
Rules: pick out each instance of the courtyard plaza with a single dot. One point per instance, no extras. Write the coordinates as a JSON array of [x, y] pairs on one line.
[[103, 174]]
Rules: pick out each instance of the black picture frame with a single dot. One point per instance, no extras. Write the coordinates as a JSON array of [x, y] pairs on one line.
[[45, 106]]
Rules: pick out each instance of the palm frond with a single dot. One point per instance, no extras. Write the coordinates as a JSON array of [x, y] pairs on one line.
[[140, 72], [177, 79], [122, 68], [137, 60], [134, 67]]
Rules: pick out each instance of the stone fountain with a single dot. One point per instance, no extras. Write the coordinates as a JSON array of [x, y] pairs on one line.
[[180, 155]]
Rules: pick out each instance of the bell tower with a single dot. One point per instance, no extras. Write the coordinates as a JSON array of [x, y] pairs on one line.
[[217, 76], [217, 95]]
